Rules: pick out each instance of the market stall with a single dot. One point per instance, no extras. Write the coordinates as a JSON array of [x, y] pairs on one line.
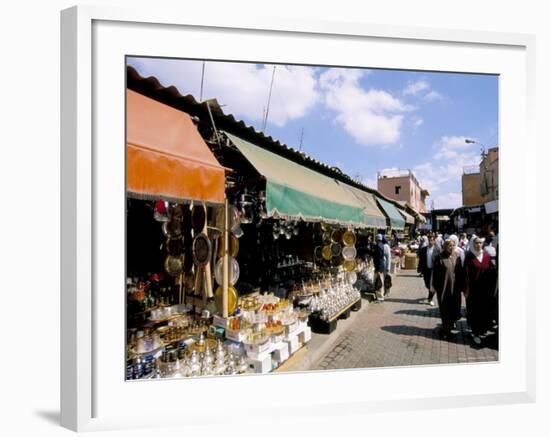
[[174, 183], [306, 235]]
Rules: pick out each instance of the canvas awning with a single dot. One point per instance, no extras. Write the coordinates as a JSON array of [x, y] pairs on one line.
[[297, 192], [374, 218], [165, 155], [409, 219], [491, 207], [396, 220]]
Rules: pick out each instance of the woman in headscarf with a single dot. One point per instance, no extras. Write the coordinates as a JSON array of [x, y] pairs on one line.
[[459, 251], [479, 286], [446, 280]]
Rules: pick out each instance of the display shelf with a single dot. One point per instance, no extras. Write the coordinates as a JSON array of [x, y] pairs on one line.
[[320, 326]]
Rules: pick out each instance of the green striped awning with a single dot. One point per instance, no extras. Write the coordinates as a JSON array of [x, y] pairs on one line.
[[396, 220], [297, 192], [409, 219], [374, 218]]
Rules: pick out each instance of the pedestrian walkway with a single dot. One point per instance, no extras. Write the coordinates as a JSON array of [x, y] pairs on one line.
[[403, 331]]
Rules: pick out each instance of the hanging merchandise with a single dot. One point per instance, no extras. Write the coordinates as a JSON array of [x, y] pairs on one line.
[[201, 250], [349, 253], [349, 238], [246, 207], [233, 249], [235, 221], [161, 211], [232, 298], [234, 271], [173, 265]]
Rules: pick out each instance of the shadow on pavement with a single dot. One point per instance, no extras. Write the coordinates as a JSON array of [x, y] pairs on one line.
[[416, 301], [428, 312], [462, 337]]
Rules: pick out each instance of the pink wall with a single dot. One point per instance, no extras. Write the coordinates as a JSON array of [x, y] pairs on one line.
[[410, 192]]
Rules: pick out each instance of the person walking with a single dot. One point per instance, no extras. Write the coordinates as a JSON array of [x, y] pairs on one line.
[[463, 241], [380, 267], [479, 287], [426, 255], [447, 274], [459, 251], [490, 247], [387, 263]]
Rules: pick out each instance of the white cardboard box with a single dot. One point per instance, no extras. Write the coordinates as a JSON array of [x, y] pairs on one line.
[[293, 344], [280, 352], [261, 365], [305, 335]]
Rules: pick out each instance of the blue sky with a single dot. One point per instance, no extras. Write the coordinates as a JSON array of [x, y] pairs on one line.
[[360, 120]]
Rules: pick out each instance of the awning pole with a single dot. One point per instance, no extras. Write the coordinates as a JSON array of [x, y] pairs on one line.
[[225, 278]]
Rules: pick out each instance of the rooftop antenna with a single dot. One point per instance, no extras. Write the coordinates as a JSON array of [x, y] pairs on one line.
[[202, 79], [269, 99]]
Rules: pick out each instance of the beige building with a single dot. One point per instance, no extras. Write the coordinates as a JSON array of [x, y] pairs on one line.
[[471, 182], [403, 186], [480, 182], [488, 170]]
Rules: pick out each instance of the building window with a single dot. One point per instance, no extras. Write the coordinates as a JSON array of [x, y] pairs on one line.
[[397, 189]]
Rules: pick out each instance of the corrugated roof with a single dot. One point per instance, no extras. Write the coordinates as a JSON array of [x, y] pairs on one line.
[[151, 87]]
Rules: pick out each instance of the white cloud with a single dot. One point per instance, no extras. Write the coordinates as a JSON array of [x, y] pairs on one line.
[[422, 89], [372, 117], [414, 88], [242, 88], [441, 174], [433, 96], [417, 122]]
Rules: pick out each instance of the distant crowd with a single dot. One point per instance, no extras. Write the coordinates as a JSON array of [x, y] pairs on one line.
[[451, 266]]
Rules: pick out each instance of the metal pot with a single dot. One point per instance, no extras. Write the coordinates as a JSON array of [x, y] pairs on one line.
[[349, 238], [350, 266], [317, 253], [349, 253], [336, 249], [172, 229], [174, 246], [234, 271], [336, 236], [202, 250], [233, 249], [326, 252], [173, 265], [232, 299]]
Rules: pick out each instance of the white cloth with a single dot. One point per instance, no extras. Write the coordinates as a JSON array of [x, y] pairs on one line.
[[387, 256], [429, 257], [458, 250]]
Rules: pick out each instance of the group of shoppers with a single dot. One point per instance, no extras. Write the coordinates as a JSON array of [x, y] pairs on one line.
[[453, 266]]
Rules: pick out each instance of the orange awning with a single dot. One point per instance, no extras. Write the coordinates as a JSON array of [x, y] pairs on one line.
[[166, 156]]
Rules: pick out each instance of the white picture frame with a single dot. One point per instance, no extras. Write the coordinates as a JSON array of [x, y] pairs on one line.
[[91, 397]]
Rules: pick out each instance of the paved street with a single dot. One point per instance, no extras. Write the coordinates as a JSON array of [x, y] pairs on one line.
[[402, 331]]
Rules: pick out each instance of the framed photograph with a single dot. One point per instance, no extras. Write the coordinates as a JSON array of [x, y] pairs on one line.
[[257, 214]]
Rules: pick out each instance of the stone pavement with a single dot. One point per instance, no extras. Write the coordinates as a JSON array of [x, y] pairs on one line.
[[402, 331]]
